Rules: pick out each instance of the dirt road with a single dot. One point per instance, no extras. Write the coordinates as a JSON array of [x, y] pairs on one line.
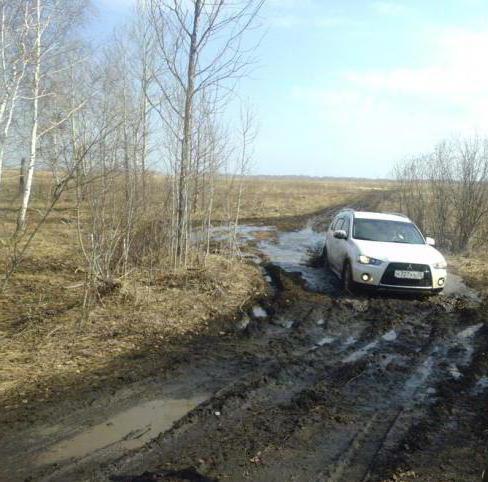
[[310, 386]]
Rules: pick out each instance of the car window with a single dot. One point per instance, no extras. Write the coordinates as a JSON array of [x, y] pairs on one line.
[[339, 224], [387, 231], [333, 224]]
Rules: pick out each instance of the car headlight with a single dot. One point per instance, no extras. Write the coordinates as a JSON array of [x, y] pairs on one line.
[[367, 260], [440, 265]]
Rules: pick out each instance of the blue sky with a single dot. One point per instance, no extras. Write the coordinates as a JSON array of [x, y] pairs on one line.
[[349, 87]]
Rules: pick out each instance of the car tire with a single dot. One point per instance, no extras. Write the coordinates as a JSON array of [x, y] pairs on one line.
[[347, 281]]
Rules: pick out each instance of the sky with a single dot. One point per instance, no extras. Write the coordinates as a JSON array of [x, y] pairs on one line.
[[350, 87]]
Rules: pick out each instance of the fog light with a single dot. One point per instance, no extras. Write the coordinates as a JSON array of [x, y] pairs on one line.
[[441, 282], [365, 277]]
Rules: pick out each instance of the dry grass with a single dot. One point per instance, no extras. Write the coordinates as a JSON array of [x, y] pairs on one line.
[[47, 347], [46, 350], [269, 199], [474, 270], [44, 347]]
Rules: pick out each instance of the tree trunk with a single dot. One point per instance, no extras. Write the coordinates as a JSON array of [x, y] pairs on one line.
[[22, 176], [35, 121], [182, 211]]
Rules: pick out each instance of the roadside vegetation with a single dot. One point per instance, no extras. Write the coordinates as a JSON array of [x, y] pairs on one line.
[[53, 343], [446, 193], [116, 166]]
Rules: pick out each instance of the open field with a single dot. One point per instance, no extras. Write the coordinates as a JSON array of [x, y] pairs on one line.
[[47, 349], [284, 361], [166, 315], [287, 202]]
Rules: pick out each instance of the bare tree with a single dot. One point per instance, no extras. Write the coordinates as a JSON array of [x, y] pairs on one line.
[[200, 46], [14, 58], [49, 25], [446, 192], [471, 189]]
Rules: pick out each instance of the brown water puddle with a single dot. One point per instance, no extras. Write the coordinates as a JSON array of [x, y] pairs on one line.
[[125, 431]]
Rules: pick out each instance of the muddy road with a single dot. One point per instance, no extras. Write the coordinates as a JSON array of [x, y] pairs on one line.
[[311, 385]]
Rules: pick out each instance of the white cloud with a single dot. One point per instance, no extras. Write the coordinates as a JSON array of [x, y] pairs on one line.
[[115, 4], [319, 22], [286, 21], [390, 8], [458, 71], [290, 3], [391, 113]]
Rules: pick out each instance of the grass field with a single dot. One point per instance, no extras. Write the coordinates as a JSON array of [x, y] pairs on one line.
[[47, 349]]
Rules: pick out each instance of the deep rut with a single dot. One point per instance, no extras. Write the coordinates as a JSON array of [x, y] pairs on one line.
[[333, 399], [327, 388]]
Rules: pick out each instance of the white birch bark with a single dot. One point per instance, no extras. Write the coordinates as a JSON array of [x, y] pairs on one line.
[[35, 118]]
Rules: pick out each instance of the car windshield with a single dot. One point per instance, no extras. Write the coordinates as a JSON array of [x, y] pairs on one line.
[[386, 231]]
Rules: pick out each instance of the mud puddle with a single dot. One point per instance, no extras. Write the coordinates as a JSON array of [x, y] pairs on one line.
[[293, 251], [312, 377], [299, 252], [127, 430], [344, 383], [242, 233], [456, 286]]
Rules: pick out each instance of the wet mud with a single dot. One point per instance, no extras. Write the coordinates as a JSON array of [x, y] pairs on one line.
[[312, 385]]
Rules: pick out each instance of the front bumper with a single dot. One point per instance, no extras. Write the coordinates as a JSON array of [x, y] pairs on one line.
[[436, 279]]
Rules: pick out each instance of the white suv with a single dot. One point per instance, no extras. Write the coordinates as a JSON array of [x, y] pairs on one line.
[[384, 251]]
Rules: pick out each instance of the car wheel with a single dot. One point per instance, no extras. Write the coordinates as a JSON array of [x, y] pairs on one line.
[[347, 281]]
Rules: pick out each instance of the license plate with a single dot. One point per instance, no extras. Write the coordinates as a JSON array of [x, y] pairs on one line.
[[409, 274]]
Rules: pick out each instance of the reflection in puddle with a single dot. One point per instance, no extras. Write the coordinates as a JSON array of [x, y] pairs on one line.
[[259, 312], [326, 340], [390, 336], [243, 233], [454, 371], [465, 341], [358, 354], [418, 378], [481, 385], [284, 323], [127, 430], [470, 331], [292, 251], [456, 286]]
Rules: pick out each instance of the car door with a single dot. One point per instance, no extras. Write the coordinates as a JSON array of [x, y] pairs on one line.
[[329, 236], [342, 244], [334, 244]]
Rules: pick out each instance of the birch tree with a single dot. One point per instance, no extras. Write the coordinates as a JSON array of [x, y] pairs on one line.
[[50, 23], [13, 63], [200, 46]]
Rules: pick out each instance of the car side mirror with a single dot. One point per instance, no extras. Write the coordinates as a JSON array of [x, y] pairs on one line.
[[430, 241], [340, 234]]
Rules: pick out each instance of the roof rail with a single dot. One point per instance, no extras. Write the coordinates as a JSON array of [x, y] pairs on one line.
[[398, 214]]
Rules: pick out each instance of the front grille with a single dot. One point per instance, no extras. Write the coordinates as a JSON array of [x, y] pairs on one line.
[[390, 279]]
